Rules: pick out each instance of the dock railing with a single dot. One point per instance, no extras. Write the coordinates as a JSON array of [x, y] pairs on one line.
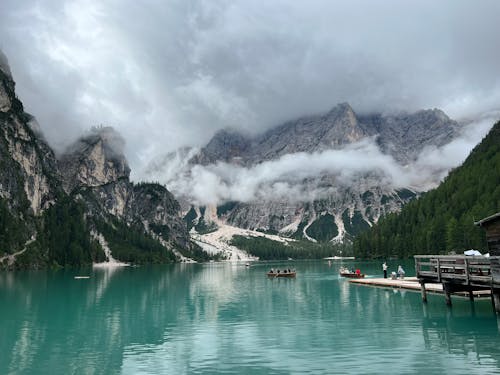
[[460, 273], [457, 269]]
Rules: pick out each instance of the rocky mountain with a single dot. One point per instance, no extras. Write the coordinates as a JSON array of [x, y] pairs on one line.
[[29, 176], [442, 221], [95, 170], [81, 208], [342, 208], [403, 136]]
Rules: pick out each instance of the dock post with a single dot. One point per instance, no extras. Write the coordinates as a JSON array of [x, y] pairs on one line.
[[423, 291], [471, 295], [495, 293], [447, 294]]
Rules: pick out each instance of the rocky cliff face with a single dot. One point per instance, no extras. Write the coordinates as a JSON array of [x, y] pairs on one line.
[[401, 136], [94, 160], [95, 170], [50, 210], [29, 173], [404, 136], [349, 206]]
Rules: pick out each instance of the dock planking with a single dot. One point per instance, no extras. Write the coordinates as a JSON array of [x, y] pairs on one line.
[[412, 283]]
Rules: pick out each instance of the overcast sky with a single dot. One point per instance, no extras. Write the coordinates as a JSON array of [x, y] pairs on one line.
[[170, 73]]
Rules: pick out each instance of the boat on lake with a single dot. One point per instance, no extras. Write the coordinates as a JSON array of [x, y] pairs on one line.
[[344, 272], [284, 273]]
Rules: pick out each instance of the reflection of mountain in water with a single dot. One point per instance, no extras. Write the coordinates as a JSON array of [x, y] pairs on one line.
[[67, 320], [217, 317]]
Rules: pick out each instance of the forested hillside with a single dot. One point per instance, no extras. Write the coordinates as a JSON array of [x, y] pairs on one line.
[[442, 220]]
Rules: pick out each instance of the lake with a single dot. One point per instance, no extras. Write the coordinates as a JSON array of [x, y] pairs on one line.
[[228, 318]]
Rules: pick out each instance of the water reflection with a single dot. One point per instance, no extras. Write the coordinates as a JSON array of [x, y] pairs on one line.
[[459, 333], [218, 318]]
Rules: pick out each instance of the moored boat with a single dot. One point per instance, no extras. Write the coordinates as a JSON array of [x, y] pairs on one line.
[[284, 273], [344, 272]]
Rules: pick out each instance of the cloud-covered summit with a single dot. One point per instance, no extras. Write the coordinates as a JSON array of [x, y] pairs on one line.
[[169, 74]]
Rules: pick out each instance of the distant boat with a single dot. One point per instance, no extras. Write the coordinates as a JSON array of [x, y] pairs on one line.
[[338, 258], [282, 274], [82, 277], [344, 272]]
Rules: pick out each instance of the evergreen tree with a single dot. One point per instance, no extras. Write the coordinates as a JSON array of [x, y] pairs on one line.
[[442, 220]]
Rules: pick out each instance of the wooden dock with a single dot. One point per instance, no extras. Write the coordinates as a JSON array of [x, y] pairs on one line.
[[412, 283], [460, 273]]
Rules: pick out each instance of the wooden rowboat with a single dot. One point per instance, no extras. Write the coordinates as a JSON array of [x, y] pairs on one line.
[[344, 272], [352, 275], [281, 274]]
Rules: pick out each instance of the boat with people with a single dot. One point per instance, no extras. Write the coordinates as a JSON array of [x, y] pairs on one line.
[[282, 273], [353, 274]]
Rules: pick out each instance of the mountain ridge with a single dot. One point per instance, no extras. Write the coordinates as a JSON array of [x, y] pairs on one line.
[[336, 128], [74, 210], [442, 220], [343, 209]]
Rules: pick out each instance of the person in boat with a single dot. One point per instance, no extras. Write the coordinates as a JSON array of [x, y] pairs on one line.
[[358, 271], [384, 268]]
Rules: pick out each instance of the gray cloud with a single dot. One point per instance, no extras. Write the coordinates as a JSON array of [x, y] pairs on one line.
[[303, 177], [168, 74]]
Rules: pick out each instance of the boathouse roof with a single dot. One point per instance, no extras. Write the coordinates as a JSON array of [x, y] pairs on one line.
[[488, 219]]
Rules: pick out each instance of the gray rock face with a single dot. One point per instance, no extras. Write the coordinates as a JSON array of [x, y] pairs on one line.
[[402, 136], [4, 65], [29, 171], [96, 168], [226, 145], [312, 134], [94, 160], [93, 171], [350, 208]]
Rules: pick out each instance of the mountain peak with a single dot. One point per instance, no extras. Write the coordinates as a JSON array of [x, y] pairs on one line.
[[226, 145], [341, 108], [4, 64], [95, 159]]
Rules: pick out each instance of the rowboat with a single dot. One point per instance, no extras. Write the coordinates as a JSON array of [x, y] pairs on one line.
[[344, 272], [352, 275], [282, 274]]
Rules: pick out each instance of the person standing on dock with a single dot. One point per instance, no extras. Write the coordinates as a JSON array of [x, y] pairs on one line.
[[384, 268]]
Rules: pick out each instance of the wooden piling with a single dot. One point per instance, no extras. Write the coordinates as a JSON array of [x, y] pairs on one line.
[[423, 292], [496, 299], [447, 294]]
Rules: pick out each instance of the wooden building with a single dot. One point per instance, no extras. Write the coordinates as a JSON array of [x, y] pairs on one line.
[[491, 224], [459, 273]]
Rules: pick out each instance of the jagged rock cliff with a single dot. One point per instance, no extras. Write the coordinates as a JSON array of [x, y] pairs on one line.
[[328, 206], [402, 136], [29, 176], [54, 212], [94, 160], [95, 169]]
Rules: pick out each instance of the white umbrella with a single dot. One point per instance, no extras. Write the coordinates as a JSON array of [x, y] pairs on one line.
[[472, 252]]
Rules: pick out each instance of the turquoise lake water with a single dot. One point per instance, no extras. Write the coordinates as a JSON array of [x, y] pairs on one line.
[[221, 318]]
